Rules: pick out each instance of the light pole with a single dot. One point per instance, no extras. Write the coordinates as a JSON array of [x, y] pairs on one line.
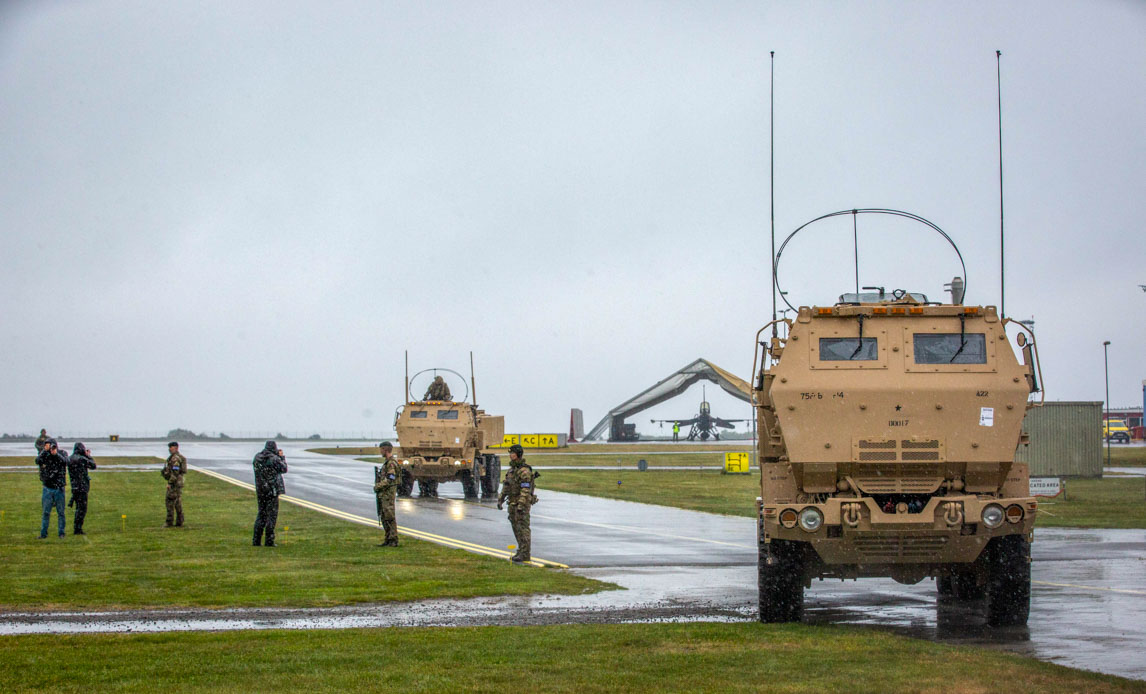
[[1106, 423]]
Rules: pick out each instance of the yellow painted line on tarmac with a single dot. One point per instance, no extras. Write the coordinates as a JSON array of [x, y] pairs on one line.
[[362, 520], [1125, 591]]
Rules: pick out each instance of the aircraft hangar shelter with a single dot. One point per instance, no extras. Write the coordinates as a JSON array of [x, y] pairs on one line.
[[612, 424]]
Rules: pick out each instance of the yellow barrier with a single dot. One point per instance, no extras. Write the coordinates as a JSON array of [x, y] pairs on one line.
[[531, 440]]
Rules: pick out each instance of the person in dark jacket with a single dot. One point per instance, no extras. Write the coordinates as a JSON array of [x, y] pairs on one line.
[[54, 476], [269, 464], [78, 466]]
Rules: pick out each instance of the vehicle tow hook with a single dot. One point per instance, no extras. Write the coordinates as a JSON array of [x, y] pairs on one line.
[[953, 513], [852, 514]]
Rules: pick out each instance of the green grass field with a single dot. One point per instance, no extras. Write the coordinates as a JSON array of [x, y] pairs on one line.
[[698, 490], [210, 563], [20, 460], [1125, 456], [582, 658], [1112, 502]]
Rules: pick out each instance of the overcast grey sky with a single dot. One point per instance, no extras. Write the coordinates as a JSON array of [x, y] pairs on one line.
[[237, 215]]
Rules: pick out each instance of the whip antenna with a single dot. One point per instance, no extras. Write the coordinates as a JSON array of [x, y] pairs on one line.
[[772, 175], [1002, 254]]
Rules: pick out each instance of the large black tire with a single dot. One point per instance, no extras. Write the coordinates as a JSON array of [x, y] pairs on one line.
[[781, 573], [405, 483], [944, 585], [1009, 582], [492, 477], [469, 484], [428, 488], [965, 586]]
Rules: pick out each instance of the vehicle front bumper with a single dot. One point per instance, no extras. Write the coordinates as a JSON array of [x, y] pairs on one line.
[[949, 529]]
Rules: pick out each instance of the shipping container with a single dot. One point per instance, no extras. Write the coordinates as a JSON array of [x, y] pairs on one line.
[[1065, 440]]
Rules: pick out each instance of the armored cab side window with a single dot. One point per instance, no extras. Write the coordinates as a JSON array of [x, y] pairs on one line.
[[848, 349], [418, 414], [950, 348], [447, 414]]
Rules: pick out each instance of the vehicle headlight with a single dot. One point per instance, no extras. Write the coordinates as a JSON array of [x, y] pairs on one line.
[[457, 462], [405, 462], [993, 516], [811, 519]]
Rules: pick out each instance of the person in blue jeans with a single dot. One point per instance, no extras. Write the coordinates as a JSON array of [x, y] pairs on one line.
[[54, 476]]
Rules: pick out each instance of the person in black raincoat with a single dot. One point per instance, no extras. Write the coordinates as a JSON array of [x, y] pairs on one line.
[[78, 466], [54, 476], [269, 464]]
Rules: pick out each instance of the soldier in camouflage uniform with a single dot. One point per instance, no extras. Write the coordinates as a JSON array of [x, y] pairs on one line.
[[41, 440], [385, 488], [173, 472], [519, 490], [438, 390]]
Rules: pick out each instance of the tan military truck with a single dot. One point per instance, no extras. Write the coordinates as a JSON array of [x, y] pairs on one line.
[[888, 429], [445, 440]]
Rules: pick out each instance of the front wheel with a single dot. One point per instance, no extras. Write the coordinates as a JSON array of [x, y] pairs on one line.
[[469, 484], [405, 483], [781, 573], [1009, 581], [491, 478]]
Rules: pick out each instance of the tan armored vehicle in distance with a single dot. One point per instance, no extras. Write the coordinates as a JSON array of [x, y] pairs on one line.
[[442, 440], [888, 429]]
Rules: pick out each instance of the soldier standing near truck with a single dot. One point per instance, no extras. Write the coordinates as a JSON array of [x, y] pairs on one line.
[[385, 489], [173, 472], [518, 489]]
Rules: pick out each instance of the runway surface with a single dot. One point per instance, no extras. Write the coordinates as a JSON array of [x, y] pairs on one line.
[[1088, 607]]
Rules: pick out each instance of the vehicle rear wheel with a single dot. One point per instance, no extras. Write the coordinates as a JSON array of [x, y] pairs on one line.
[[469, 484], [428, 488], [1009, 582], [405, 483], [781, 574], [491, 478]]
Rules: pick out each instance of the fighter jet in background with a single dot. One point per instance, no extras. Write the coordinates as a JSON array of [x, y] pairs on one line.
[[704, 425]]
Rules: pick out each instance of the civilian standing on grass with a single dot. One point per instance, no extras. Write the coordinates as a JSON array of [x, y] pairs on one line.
[[78, 466], [269, 465], [54, 475]]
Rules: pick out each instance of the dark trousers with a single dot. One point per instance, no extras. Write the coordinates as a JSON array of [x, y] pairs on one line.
[[265, 521], [80, 499]]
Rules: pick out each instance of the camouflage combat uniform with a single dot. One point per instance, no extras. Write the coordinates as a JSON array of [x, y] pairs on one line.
[[438, 390], [42, 439], [173, 472], [385, 489], [519, 490]]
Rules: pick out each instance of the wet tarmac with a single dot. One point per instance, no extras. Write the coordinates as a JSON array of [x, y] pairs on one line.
[[1088, 607]]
